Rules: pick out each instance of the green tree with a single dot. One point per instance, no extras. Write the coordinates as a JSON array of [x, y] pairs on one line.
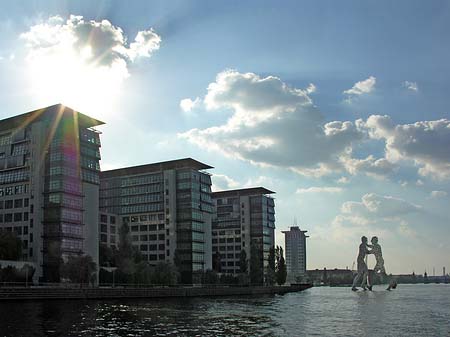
[[126, 254], [79, 269], [243, 262], [164, 273], [10, 246], [210, 277], [256, 271], [280, 267], [270, 272]]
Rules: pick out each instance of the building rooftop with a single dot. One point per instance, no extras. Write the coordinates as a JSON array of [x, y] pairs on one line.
[[294, 229], [46, 113], [156, 167], [241, 192]]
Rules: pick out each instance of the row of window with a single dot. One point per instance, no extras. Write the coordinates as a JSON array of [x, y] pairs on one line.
[[14, 190], [63, 170], [104, 229], [228, 232], [17, 203], [90, 163], [13, 176], [139, 199], [65, 200], [154, 207], [19, 230], [145, 228], [229, 248], [151, 237], [90, 176], [146, 248], [142, 180], [10, 217], [228, 240], [104, 218]]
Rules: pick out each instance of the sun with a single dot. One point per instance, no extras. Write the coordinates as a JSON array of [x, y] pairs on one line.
[[72, 77]]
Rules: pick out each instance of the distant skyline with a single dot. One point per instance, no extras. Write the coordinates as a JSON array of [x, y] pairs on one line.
[[341, 108]]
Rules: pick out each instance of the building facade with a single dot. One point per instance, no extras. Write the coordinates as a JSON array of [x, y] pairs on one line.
[[168, 208], [49, 183], [242, 218], [295, 250]]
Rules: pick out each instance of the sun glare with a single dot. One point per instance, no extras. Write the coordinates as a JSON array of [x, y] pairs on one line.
[[74, 79]]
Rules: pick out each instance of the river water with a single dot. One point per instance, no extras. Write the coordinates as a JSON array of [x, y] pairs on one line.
[[410, 310]]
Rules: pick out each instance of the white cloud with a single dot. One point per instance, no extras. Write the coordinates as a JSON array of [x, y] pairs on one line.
[[410, 86], [377, 168], [273, 124], [188, 104], [319, 189], [374, 206], [343, 180], [222, 182], [426, 143], [90, 57], [311, 88], [438, 194], [362, 87]]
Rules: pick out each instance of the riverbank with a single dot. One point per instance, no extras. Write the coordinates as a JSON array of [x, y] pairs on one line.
[[49, 293]]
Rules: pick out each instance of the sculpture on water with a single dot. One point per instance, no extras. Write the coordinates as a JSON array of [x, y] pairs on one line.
[[362, 269]]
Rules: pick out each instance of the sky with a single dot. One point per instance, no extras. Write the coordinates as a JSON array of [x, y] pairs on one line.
[[340, 107]]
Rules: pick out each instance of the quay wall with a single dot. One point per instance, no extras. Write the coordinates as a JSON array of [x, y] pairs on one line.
[[47, 293]]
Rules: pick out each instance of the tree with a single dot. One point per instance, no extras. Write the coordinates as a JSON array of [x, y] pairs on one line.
[[126, 255], [10, 246], [106, 256], [217, 262], [270, 272], [79, 269], [280, 268], [243, 262], [256, 272], [164, 273], [210, 277]]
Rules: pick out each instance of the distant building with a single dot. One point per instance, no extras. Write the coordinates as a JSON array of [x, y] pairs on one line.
[[168, 208], [49, 183], [295, 250], [330, 276], [242, 218]]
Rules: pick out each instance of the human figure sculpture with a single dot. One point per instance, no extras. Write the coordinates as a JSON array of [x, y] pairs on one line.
[[361, 265]]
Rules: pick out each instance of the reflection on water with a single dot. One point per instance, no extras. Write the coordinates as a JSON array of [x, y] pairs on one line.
[[411, 310]]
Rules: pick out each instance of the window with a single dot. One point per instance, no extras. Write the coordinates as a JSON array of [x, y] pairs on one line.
[[103, 218], [152, 237], [104, 238], [134, 228], [25, 202], [112, 229], [161, 226], [152, 247], [1, 204], [144, 237], [112, 219], [103, 228], [161, 246], [143, 228], [161, 256], [17, 216], [8, 204], [144, 248], [161, 236], [8, 217], [18, 203]]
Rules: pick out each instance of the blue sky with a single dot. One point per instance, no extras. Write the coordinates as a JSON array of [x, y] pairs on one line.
[[341, 107]]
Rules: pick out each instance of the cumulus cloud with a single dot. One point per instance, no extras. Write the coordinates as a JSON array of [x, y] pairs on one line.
[[410, 86], [426, 143], [374, 206], [272, 124], [222, 182], [362, 87], [319, 189], [377, 168], [311, 88], [97, 42], [438, 194], [373, 215], [188, 104], [90, 57]]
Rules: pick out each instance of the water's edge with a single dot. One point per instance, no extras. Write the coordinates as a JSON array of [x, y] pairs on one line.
[[46, 293]]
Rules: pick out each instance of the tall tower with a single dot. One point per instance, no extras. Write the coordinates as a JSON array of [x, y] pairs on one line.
[[295, 248]]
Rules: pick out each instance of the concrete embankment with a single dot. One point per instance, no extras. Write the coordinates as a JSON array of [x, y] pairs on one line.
[[47, 293]]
